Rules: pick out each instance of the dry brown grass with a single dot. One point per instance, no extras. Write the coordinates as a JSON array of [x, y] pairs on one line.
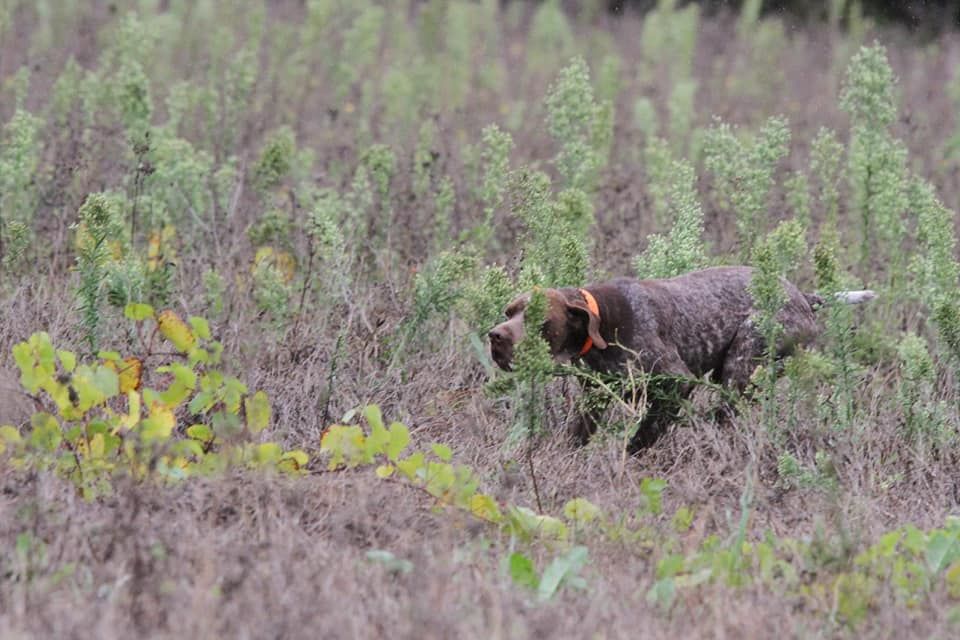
[[248, 555]]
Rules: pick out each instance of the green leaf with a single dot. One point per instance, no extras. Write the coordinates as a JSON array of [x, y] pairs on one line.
[[257, 408], [112, 356], [652, 490], [385, 470], [662, 593], [670, 566], [9, 433], [411, 466], [68, 359], [564, 567], [372, 413], [522, 571], [138, 311], [201, 328], [942, 549], [682, 519], [581, 510], [233, 392], [45, 434], [202, 402], [267, 453], [379, 437], [442, 451], [200, 432], [399, 439]]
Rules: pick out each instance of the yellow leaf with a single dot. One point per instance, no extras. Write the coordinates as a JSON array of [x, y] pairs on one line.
[[176, 331], [160, 247], [9, 433], [952, 578], [96, 446], [159, 425], [130, 420], [484, 507], [581, 510], [267, 453], [293, 461], [286, 264], [385, 470], [257, 408], [130, 373]]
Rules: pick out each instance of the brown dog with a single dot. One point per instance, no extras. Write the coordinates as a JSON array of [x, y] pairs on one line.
[[678, 328]]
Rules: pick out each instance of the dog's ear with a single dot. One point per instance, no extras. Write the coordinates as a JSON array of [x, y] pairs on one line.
[[593, 321]]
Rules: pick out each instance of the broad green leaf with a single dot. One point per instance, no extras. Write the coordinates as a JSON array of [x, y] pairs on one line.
[[662, 593], [138, 311], [562, 568], [45, 434], [399, 439], [9, 436], [233, 392], [96, 446], [257, 409], [670, 565], [411, 466], [652, 489], [522, 571], [942, 549], [298, 456], [202, 402], [442, 451], [379, 437], [345, 444], [200, 327], [581, 510], [372, 413], [189, 447], [225, 425], [175, 394], [9, 433], [682, 519], [200, 432], [267, 453], [952, 579], [439, 478], [68, 360]]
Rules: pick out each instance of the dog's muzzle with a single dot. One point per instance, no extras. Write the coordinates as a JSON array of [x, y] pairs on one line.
[[501, 347]]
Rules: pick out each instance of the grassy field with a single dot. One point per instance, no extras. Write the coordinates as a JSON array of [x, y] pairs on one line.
[[229, 230]]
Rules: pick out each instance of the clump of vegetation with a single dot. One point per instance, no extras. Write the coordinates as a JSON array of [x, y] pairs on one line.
[[351, 193]]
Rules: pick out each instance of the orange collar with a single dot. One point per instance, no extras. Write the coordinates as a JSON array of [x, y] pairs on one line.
[[595, 310]]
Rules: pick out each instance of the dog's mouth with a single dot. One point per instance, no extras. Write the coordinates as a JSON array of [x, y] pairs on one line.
[[502, 355]]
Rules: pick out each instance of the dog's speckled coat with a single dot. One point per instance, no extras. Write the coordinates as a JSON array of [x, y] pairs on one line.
[[687, 326]]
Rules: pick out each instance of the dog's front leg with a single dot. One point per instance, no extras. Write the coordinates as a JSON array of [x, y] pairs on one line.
[[591, 406]]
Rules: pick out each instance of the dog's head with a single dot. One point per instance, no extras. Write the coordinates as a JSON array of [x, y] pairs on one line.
[[568, 324]]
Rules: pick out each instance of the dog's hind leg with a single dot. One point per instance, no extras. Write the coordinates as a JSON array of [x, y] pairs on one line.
[[743, 356]]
